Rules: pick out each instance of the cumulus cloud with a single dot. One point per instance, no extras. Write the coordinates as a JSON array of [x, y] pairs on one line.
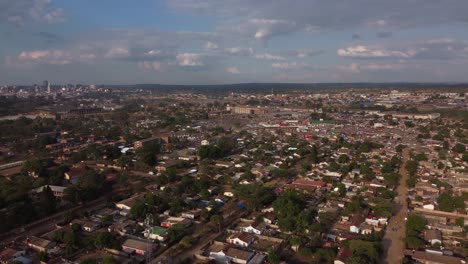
[[41, 57], [268, 56], [358, 68], [20, 12], [232, 70], [146, 46], [368, 52], [240, 51], [288, 65], [300, 53], [189, 59], [211, 45], [435, 49], [264, 19], [150, 65]]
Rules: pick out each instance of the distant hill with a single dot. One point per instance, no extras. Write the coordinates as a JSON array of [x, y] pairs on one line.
[[288, 87]]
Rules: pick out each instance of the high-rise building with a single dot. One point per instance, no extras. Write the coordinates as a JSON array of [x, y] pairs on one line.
[[47, 86]]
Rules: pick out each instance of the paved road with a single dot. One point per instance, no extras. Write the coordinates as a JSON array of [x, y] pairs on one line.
[[394, 236]]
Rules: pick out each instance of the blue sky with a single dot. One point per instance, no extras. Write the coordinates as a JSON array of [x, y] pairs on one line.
[[233, 41]]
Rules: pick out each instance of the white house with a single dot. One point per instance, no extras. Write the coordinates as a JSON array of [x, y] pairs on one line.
[[241, 239], [255, 228]]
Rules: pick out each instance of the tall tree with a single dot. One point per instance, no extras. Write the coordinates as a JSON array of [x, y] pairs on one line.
[[47, 201]]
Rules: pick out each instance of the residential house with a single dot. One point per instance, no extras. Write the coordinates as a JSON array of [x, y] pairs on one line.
[[239, 256], [40, 244], [156, 233], [433, 236], [191, 214], [58, 191], [356, 221], [163, 166], [136, 246], [241, 239], [366, 229], [343, 255], [127, 204], [169, 222], [217, 251], [306, 185], [224, 164], [254, 228], [90, 226]]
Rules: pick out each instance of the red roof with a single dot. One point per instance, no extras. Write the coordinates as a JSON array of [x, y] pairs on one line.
[[316, 184], [75, 172], [344, 254]]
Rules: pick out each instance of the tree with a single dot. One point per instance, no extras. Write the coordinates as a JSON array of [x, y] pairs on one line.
[[109, 259], [414, 242], [139, 209], [415, 223], [364, 251], [420, 157], [217, 220], [412, 167], [343, 158], [273, 257], [449, 202], [105, 240], [42, 256], [47, 201], [34, 166], [290, 210], [341, 189], [459, 148], [400, 148], [409, 124], [107, 220]]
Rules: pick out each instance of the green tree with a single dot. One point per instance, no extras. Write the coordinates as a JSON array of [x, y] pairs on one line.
[[343, 158], [47, 201], [273, 257], [288, 207], [105, 240], [415, 223], [449, 202], [459, 148], [109, 259]]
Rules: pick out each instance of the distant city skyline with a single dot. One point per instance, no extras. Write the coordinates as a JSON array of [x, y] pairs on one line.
[[232, 41]]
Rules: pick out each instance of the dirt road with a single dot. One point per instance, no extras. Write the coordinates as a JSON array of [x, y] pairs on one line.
[[394, 236]]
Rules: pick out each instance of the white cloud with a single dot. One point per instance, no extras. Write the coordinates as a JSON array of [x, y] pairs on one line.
[[264, 19], [232, 70], [268, 56], [19, 12], [150, 65], [189, 59], [42, 57], [211, 45], [119, 52], [288, 65], [373, 52], [434, 49], [358, 68], [239, 51]]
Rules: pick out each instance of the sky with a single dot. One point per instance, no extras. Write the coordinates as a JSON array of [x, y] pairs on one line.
[[232, 41]]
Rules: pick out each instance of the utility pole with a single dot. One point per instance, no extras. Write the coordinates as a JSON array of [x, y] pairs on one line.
[[149, 221]]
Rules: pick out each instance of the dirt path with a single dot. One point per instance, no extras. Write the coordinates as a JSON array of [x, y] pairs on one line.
[[394, 236]]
